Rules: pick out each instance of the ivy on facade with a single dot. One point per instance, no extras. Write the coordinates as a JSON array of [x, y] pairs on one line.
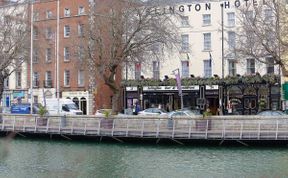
[[229, 80]]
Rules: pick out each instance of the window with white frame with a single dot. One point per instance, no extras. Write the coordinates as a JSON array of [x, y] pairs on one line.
[[81, 30], [268, 15], [49, 14], [6, 82], [81, 10], [18, 79], [156, 70], [35, 16], [67, 12], [270, 65], [48, 54], [48, 79], [185, 42], [35, 55], [250, 66], [66, 54], [231, 40], [207, 41], [81, 78], [49, 33], [81, 52], [206, 19], [36, 79], [207, 68], [232, 67], [231, 19], [66, 78], [66, 31], [35, 33], [184, 21], [249, 15], [185, 69], [137, 71]]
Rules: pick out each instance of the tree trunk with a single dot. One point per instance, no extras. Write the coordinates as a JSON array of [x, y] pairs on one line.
[[115, 102], [2, 78]]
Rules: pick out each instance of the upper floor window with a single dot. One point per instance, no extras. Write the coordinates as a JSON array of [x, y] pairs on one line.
[[185, 68], [48, 79], [81, 10], [6, 82], [207, 68], [49, 33], [270, 65], [81, 30], [137, 71], [231, 40], [35, 79], [156, 71], [250, 66], [232, 67], [66, 31], [206, 19], [35, 55], [231, 19], [18, 79], [48, 54], [35, 16], [184, 42], [207, 41], [67, 12], [49, 14], [35, 33], [268, 15], [66, 78], [81, 78], [66, 54], [81, 52], [184, 21]]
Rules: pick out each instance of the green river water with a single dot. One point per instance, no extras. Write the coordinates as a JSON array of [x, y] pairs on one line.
[[54, 158]]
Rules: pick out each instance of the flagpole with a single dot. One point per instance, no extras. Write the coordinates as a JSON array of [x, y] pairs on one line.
[[31, 58]]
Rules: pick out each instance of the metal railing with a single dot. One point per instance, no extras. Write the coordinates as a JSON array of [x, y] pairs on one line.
[[222, 128]]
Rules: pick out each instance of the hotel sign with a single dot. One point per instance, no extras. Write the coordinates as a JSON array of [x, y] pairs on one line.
[[170, 88]]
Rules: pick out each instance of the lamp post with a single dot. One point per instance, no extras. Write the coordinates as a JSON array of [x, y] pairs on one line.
[[31, 58], [222, 38]]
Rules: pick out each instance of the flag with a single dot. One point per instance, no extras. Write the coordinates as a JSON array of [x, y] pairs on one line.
[[210, 59]]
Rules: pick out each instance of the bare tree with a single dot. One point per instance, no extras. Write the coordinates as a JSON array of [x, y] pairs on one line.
[[262, 33], [14, 39], [124, 32]]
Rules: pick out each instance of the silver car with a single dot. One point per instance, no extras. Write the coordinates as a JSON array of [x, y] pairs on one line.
[[185, 112], [153, 111]]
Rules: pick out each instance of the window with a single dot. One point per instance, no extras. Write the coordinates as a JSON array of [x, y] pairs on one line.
[[35, 16], [206, 19], [35, 55], [18, 79], [48, 79], [207, 41], [184, 42], [81, 10], [66, 31], [48, 14], [67, 12], [6, 82], [184, 21], [250, 66], [66, 54], [81, 52], [48, 54], [185, 68], [35, 79], [81, 30], [137, 71], [231, 40], [270, 65], [35, 33], [156, 72], [81, 78], [66, 78], [231, 19], [249, 16], [232, 67], [49, 33], [207, 68]]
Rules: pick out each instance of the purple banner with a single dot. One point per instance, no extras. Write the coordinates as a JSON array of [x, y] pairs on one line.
[[178, 80]]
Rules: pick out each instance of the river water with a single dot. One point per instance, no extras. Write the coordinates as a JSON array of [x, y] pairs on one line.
[[56, 158]]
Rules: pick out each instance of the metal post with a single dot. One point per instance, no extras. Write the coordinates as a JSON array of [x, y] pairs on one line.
[[57, 56], [222, 39], [31, 58]]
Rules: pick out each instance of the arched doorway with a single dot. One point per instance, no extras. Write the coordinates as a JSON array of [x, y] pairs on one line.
[[250, 101], [235, 96], [83, 105]]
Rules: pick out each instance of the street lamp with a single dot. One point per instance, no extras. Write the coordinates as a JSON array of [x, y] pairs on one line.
[[222, 38]]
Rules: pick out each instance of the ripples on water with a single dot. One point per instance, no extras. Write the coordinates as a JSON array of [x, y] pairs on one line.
[[42, 158]]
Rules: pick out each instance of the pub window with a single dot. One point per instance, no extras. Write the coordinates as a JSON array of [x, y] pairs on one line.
[[250, 66], [156, 72], [207, 68], [185, 69]]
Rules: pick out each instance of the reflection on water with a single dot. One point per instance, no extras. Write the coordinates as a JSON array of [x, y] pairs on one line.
[[44, 158]]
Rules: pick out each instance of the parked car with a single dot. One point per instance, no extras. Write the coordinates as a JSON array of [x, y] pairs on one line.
[[185, 112], [153, 111], [271, 113]]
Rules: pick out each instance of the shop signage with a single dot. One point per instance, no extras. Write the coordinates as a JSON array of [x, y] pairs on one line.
[[131, 88], [173, 88], [18, 94], [212, 87]]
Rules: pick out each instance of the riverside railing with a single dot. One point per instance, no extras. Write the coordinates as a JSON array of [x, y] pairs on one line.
[[211, 128]]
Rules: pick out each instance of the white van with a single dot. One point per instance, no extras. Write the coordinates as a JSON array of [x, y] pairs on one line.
[[66, 107]]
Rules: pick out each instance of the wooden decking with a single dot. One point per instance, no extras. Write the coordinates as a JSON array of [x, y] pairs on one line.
[[216, 128]]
